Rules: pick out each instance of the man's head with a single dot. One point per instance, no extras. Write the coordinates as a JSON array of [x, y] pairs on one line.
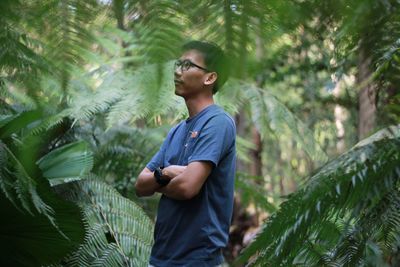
[[201, 65]]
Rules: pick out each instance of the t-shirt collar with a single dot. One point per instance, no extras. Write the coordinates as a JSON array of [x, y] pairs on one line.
[[188, 120]]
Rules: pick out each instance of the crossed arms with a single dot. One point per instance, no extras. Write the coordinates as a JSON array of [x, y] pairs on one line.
[[186, 181]]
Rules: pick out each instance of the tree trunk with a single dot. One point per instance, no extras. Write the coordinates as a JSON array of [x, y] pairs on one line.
[[240, 131], [256, 165], [366, 96], [118, 7]]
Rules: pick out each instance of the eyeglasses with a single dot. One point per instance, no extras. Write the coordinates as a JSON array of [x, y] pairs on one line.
[[186, 64]]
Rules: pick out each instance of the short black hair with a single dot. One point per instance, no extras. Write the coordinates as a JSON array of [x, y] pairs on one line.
[[214, 58]]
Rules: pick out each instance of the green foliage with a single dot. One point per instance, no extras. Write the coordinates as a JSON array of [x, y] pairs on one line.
[[159, 31], [37, 227], [345, 215], [120, 153], [17, 48], [270, 115], [102, 73], [251, 192], [143, 94], [69, 36], [366, 32], [388, 76], [119, 232], [66, 163]]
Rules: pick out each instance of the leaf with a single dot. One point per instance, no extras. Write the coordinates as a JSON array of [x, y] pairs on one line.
[[269, 115], [18, 122], [66, 163], [334, 194], [119, 232], [28, 240]]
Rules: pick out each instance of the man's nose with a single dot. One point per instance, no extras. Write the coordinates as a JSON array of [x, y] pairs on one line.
[[178, 71]]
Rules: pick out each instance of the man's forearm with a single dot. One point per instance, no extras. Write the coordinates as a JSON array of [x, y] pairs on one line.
[[146, 184], [173, 189], [171, 172], [189, 183]]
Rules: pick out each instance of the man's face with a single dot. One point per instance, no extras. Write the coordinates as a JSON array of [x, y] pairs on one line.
[[191, 81]]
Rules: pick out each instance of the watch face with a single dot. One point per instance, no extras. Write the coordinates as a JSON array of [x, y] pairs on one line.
[[157, 173], [158, 177]]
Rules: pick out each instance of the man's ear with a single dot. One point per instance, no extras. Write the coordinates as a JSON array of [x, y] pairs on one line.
[[211, 78]]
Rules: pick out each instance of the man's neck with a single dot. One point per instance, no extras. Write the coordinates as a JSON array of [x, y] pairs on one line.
[[196, 105]]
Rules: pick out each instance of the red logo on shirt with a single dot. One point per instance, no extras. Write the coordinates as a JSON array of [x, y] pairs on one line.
[[194, 134]]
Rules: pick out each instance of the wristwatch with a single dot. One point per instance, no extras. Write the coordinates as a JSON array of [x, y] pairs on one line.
[[158, 177]]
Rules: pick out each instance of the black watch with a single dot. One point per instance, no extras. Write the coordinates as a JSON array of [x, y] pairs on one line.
[[158, 176]]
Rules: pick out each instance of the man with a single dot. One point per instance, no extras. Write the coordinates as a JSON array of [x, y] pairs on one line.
[[194, 168]]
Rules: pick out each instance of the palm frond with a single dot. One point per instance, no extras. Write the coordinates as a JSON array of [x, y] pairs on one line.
[[17, 171], [28, 240], [66, 163], [352, 186], [37, 228]]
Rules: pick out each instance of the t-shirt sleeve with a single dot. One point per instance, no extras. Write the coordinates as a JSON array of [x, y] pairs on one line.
[[214, 140]]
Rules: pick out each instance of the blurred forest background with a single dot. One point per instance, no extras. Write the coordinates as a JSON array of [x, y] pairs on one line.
[[87, 96]]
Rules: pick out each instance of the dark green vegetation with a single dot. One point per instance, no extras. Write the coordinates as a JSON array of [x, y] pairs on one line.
[[86, 97]]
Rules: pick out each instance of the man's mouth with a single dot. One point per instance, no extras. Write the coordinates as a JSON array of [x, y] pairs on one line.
[[176, 81]]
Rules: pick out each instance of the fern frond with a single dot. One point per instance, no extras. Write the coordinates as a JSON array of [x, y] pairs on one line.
[[20, 101], [18, 60], [109, 256], [251, 192], [123, 235], [142, 96], [69, 22], [350, 187], [85, 105], [50, 122], [21, 182], [49, 226], [159, 31], [242, 149], [269, 115], [123, 150]]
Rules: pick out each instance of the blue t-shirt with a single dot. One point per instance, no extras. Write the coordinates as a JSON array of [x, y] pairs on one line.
[[192, 232]]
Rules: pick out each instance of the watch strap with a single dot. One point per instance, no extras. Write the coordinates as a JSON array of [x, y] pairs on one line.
[[158, 177]]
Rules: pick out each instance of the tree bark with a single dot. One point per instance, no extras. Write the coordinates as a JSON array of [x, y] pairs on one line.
[[256, 165], [366, 96], [118, 7]]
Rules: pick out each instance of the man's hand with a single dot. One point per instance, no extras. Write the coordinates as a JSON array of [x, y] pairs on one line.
[[172, 171], [188, 183], [146, 185]]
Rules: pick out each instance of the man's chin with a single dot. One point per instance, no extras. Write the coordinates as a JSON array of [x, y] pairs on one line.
[[178, 92]]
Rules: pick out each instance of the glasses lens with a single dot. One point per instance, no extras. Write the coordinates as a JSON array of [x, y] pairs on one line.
[[186, 64], [178, 64]]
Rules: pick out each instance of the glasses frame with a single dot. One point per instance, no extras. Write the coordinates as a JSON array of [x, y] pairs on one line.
[[180, 64]]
